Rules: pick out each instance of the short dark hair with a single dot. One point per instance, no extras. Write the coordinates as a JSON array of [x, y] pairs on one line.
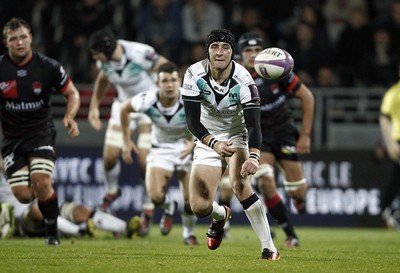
[[168, 67], [14, 24], [221, 35], [104, 41]]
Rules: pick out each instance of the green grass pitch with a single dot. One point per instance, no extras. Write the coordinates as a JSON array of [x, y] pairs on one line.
[[322, 250]]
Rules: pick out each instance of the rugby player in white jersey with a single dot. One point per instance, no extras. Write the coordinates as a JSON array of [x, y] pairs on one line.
[[171, 150], [223, 112], [128, 67]]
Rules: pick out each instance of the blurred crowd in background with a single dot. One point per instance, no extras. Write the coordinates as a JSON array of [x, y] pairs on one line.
[[346, 43]]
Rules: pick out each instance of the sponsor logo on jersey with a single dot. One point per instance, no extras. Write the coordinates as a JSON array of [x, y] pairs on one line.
[[275, 89], [269, 106], [22, 73], [9, 89], [24, 106], [37, 88]]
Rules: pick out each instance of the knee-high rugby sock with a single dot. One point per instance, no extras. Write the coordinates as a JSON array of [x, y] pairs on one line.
[[278, 210], [111, 178], [256, 214], [50, 211]]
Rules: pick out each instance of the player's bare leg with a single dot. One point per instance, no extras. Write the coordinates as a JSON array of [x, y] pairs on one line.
[[188, 218], [157, 181], [276, 208], [295, 184], [40, 177], [203, 186], [252, 205], [144, 145]]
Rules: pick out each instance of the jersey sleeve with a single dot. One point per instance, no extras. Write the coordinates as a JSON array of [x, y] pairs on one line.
[[143, 55], [388, 103], [190, 89], [249, 92], [290, 84], [61, 78]]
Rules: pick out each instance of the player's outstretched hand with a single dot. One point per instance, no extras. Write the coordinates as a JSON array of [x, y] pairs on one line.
[[249, 167], [94, 119], [72, 126], [127, 152]]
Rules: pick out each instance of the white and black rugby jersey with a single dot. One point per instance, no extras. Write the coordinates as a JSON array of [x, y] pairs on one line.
[[221, 105], [168, 123], [25, 93], [132, 74]]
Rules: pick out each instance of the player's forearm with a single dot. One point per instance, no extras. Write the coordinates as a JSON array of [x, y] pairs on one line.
[[252, 120], [386, 129], [306, 123], [99, 90], [307, 113], [73, 101], [192, 110], [125, 120]]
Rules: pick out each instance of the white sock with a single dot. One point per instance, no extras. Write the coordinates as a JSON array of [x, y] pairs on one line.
[[167, 202], [67, 227], [218, 213], [258, 219], [188, 223], [111, 178], [108, 222]]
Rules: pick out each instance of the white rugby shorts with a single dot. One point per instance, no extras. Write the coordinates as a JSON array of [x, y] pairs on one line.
[[169, 159], [204, 155]]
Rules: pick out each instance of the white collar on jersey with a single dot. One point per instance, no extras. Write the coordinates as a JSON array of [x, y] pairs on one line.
[[121, 64], [221, 89]]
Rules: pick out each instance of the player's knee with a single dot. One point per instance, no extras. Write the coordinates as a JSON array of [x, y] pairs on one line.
[[111, 163], [267, 186], [41, 182], [157, 199], [201, 211]]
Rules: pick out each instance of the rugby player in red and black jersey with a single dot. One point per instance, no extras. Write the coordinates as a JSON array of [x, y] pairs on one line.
[[281, 140], [27, 80]]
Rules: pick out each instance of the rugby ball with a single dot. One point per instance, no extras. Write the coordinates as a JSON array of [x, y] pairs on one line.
[[273, 63]]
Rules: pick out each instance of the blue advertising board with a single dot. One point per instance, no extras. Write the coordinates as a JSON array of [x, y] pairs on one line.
[[345, 187]]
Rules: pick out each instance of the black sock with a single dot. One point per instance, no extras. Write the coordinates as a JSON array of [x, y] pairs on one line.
[[278, 210], [50, 211]]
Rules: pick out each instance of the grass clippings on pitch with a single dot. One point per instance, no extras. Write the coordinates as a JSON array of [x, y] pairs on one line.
[[322, 250]]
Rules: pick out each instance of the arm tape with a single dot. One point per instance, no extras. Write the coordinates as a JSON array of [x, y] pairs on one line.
[[193, 112], [252, 120]]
